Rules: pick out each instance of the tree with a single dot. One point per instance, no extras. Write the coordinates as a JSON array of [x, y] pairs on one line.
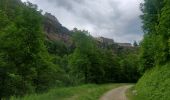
[[85, 62], [163, 32], [149, 46], [151, 10], [135, 44], [26, 65]]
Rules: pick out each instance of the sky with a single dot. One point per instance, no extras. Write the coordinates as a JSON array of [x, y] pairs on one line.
[[115, 19]]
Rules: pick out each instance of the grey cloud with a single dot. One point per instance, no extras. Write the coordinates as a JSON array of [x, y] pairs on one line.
[[67, 4], [70, 5], [117, 19]]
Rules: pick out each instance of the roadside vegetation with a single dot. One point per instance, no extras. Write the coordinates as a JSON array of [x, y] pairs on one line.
[[154, 85], [155, 52], [130, 93], [83, 92]]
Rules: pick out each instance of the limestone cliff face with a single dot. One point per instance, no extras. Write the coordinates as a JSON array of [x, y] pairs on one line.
[[55, 31]]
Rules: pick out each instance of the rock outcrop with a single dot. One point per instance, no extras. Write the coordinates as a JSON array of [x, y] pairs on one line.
[[54, 30]]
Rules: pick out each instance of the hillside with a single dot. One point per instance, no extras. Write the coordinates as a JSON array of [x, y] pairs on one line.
[[154, 53], [154, 85]]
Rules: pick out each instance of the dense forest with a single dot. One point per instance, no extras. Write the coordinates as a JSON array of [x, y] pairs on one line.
[[33, 61]]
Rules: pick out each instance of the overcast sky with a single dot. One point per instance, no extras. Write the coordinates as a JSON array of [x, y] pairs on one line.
[[116, 19]]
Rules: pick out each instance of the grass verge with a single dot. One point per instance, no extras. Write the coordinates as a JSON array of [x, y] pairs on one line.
[[130, 93], [155, 84], [84, 92]]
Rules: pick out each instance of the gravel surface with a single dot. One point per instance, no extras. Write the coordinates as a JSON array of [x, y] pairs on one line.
[[116, 94]]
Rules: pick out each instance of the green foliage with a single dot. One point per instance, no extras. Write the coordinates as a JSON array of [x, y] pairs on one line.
[[129, 68], [155, 46], [26, 66], [135, 44], [84, 62], [151, 10], [152, 42], [164, 33], [154, 85], [4, 20], [147, 52], [91, 64], [56, 48], [11, 8], [130, 93], [83, 92], [110, 64]]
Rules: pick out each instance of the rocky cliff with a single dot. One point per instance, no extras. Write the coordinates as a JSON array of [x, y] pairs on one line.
[[54, 30]]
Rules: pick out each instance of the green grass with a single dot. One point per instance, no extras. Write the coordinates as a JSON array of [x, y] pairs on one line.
[[155, 84], [130, 93], [84, 92]]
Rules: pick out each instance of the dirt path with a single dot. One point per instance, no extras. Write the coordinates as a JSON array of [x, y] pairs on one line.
[[116, 94]]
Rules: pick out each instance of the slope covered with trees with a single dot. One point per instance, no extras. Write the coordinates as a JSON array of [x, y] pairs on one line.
[[155, 55], [31, 62], [25, 62]]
